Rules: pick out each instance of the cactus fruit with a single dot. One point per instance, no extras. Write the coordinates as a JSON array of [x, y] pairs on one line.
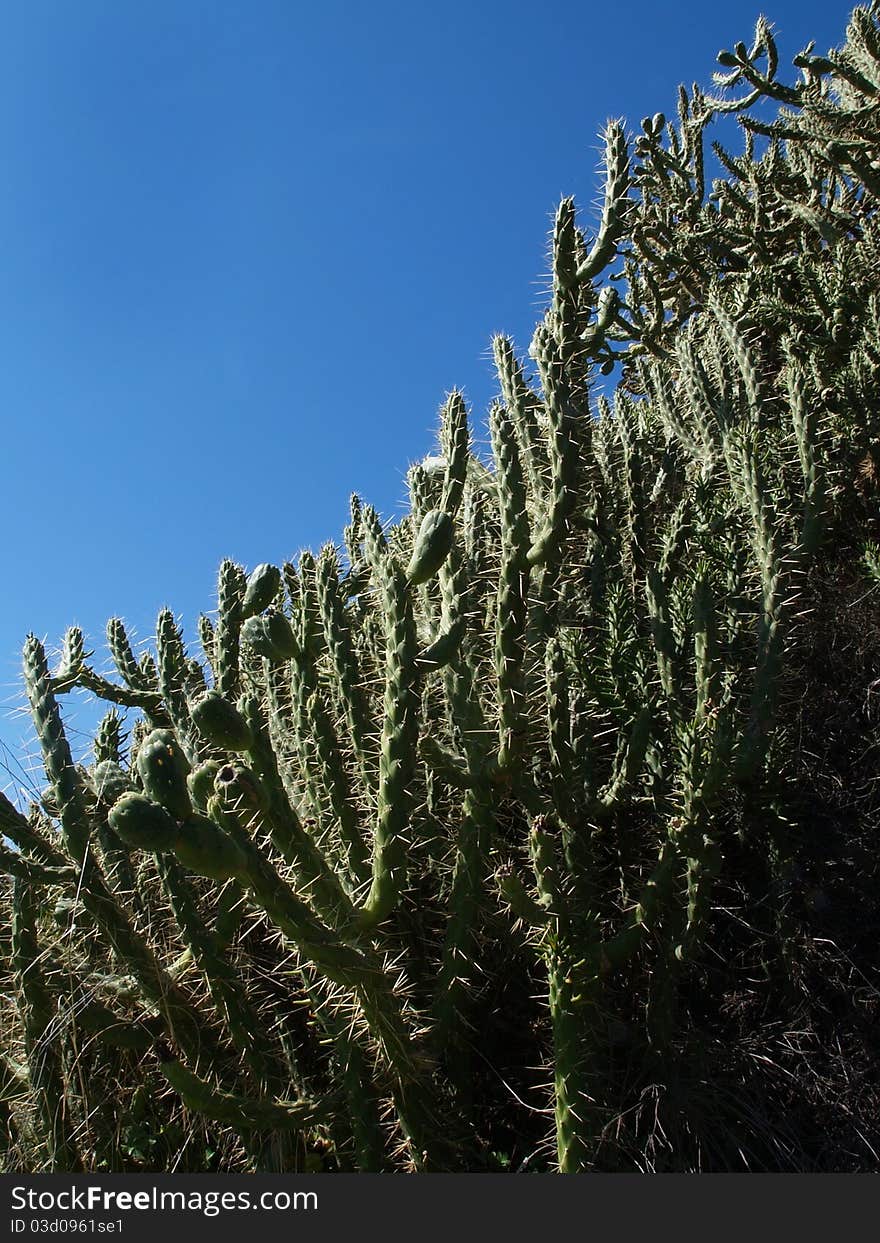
[[221, 722], [143, 824], [200, 783], [270, 636], [262, 588], [432, 545], [163, 769], [109, 781]]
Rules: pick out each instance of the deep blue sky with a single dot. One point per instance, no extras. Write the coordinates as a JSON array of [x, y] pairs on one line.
[[247, 248]]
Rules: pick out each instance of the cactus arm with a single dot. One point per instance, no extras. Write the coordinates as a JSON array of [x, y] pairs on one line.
[[230, 601], [617, 181], [522, 905], [182, 1020], [448, 766], [243, 1112], [337, 786], [523, 405], [455, 448], [564, 450], [63, 776], [15, 864], [513, 586], [357, 970], [317, 879], [110, 1029], [149, 702], [337, 636], [138, 691], [336, 960], [629, 766], [123, 656], [804, 415], [459, 963], [398, 755], [17, 827]]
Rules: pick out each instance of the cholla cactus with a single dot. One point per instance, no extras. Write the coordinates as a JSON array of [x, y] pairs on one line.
[[528, 729]]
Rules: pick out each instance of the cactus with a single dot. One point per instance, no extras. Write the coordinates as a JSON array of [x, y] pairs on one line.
[[511, 746]]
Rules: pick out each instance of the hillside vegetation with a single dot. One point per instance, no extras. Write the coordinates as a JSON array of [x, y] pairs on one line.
[[537, 830]]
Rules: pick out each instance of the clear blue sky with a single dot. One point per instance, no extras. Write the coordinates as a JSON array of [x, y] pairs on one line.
[[247, 247]]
